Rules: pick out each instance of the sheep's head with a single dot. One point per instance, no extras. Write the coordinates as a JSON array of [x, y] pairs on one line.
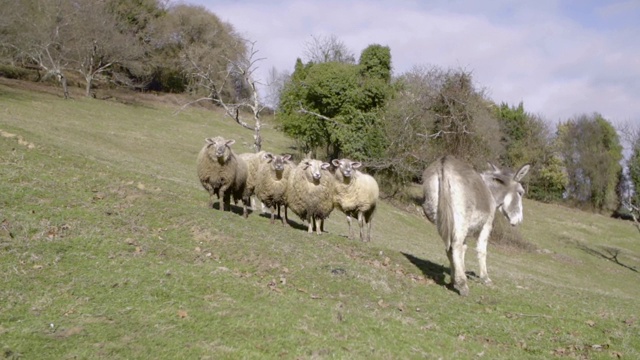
[[314, 168], [277, 162], [219, 147], [346, 167]]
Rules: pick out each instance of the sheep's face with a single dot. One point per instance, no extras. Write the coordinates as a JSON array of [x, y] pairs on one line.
[[314, 168], [346, 166], [277, 162], [219, 146]]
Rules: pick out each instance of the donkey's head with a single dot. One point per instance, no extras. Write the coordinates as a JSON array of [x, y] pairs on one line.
[[507, 191]]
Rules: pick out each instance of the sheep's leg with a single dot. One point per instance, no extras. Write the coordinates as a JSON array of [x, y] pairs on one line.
[[319, 226], [285, 222], [350, 229], [361, 225], [273, 214], [225, 199], [245, 211], [211, 199], [311, 221]]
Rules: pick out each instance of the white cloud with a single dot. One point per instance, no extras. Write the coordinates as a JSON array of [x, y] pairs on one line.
[[560, 61]]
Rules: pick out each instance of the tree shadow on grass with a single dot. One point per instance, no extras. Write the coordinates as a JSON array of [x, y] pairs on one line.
[[608, 253]]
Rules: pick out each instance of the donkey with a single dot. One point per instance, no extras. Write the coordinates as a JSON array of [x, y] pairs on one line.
[[462, 202]]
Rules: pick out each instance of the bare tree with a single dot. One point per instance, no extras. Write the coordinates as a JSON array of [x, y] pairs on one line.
[[321, 49], [239, 72], [39, 36], [276, 82], [97, 43]]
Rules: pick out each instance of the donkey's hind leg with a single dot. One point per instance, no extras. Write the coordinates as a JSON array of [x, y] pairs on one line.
[[456, 259]]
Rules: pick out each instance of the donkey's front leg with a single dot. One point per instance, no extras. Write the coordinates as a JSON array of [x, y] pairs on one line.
[[481, 249]]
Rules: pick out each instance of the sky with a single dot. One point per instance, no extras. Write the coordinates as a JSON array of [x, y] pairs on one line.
[[561, 58]]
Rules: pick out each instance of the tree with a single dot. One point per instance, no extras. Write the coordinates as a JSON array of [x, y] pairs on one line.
[[155, 70], [97, 43], [591, 151], [276, 82], [323, 49], [218, 63], [634, 172], [527, 140], [337, 106], [464, 122], [38, 34]]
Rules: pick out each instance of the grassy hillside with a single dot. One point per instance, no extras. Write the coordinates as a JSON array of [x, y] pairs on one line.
[[107, 250]]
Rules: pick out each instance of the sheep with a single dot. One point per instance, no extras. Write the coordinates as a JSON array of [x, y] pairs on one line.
[[253, 160], [222, 173], [356, 195], [310, 193], [271, 185]]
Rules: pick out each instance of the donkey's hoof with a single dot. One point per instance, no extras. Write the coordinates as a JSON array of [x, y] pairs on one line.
[[487, 282], [463, 290]]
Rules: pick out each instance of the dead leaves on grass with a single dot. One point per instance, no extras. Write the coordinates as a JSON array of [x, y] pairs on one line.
[[20, 139]]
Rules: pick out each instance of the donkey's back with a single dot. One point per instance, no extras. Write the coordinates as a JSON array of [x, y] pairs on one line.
[[467, 194]]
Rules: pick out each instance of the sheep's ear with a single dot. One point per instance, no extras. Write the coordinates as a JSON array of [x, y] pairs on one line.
[[325, 166], [209, 140], [522, 172], [305, 165], [268, 157], [286, 157], [230, 142], [356, 164], [493, 167], [335, 162]]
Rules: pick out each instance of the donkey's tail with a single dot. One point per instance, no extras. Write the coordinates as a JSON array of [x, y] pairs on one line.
[[445, 222]]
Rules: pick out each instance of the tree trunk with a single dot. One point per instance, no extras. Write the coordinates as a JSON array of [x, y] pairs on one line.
[[87, 91], [63, 82]]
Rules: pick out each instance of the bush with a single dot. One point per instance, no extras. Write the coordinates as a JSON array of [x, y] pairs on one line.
[[14, 72], [505, 235]]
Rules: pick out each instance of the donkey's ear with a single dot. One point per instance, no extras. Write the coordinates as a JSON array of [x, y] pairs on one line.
[[522, 172], [493, 167]]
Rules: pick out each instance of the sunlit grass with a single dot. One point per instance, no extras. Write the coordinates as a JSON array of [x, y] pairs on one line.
[[107, 250]]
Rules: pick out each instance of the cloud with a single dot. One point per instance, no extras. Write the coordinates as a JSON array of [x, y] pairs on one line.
[[561, 58]]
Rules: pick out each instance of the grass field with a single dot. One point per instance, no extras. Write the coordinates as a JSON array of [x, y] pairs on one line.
[[108, 250]]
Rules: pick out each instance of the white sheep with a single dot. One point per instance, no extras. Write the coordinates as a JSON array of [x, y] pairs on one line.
[[222, 173], [356, 195], [310, 192], [272, 181], [253, 160]]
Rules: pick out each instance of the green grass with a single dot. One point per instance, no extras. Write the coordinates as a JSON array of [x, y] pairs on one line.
[[107, 250]]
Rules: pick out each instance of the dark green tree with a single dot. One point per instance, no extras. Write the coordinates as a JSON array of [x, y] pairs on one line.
[[591, 150], [527, 140], [335, 106], [634, 173]]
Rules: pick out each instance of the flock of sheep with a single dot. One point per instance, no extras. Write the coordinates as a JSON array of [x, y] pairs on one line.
[[311, 189]]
